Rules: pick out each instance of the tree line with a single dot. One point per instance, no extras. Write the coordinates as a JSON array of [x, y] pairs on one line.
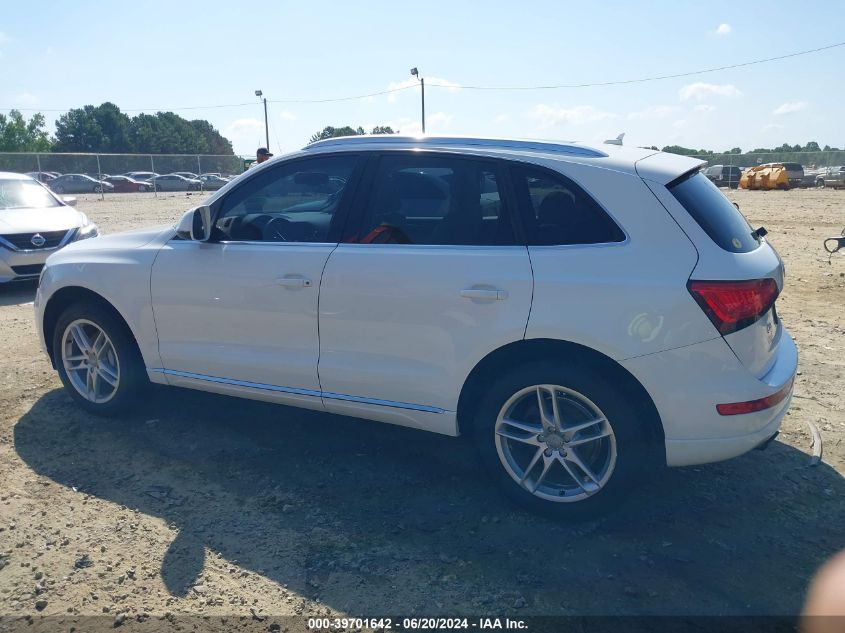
[[105, 129], [812, 146]]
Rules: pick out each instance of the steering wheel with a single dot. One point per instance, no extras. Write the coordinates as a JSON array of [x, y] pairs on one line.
[[277, 230]]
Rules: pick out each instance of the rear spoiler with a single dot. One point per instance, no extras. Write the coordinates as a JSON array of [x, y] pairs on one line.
[[664, 168]]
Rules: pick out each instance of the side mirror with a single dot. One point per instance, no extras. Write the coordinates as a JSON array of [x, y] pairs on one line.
[[195, 225], [69, 200]]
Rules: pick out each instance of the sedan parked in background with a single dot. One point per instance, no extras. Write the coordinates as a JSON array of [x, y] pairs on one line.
[[42, 176], [125, 184], [79, 183], [34, 223], [141, 175], [211, 183], [175, 182]]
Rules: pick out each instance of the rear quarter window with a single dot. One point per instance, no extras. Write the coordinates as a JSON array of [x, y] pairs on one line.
[[714, 213]]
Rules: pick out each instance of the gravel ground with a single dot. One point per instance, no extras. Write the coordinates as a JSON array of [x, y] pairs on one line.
[[208, 506]]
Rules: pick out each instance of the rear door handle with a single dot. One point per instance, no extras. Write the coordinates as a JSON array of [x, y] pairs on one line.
[[293, 281], [484, 294]]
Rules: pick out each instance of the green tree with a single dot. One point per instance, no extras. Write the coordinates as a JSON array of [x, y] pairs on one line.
[[333, 132], [102, 128], [19, 135], [812, 146]]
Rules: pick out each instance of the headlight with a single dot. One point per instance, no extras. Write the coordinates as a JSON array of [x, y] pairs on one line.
[[84, 232]]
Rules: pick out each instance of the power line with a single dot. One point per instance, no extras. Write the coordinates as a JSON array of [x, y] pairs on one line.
[[642, 79], [472, 87]]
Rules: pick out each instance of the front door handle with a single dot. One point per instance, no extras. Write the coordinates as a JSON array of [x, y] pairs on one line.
[[293, 281], [484, 294]]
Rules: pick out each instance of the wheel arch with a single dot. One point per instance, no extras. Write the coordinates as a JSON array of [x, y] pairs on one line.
[[543, 349], [64, 297]]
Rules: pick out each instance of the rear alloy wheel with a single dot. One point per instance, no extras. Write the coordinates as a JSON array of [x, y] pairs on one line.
[[97, 359], [142, 188], [98, 189], [561, 440], [556, 443]]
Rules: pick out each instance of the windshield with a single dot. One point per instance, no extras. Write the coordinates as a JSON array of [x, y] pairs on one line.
[[25, 194]]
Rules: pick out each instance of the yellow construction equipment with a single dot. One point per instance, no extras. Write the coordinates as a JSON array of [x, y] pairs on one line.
[[770, 176]]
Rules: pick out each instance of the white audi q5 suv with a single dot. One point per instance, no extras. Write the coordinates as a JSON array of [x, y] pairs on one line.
[[583, 314]]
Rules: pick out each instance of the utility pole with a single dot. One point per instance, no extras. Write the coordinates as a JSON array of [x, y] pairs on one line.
[[259, 94], [415, 73]]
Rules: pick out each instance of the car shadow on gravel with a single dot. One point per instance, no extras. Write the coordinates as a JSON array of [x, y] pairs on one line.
[[17, 292], [376, 519]]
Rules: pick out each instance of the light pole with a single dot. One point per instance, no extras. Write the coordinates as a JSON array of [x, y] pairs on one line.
[[259, 94], [415, 73]]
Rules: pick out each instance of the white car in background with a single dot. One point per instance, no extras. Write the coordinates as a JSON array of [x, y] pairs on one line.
[[34, 223], [584, 314]]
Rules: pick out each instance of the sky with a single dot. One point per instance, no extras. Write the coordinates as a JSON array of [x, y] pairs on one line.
[[173, 55]]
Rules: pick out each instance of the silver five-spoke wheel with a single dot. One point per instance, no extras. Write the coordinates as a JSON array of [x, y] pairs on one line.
[[90, 361], [556, 443]]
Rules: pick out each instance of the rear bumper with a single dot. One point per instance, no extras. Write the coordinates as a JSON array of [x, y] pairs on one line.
[[686, 385]]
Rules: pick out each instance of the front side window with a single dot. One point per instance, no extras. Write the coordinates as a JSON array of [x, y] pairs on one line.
[[294, 202], [558, 212], [435, 200]]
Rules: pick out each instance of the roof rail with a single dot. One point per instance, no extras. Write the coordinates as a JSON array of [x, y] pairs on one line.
[[552, 147]]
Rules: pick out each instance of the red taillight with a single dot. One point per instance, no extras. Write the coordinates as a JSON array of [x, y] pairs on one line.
[[738, 408], [733, 305]]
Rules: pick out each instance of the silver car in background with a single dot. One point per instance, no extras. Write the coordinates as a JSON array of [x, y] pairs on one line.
[[79, 183], [34, 224], [175, 182]]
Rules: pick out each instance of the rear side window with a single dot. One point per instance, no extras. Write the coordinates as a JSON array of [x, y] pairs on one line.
[[558, 212], [719, 218], [436, 200]]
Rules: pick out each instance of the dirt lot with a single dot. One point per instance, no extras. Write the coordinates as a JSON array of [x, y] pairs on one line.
[[206, 505]]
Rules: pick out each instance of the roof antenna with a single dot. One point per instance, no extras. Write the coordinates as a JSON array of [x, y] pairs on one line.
[[615, 141]]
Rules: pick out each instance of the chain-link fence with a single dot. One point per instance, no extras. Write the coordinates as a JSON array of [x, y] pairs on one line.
[[99, 166]]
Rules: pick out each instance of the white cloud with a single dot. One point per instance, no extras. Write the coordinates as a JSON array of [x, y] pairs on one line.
[[402, 86], [242, 127], [439, 120], [723, 29], [772, 126], [25, 99], [704, 107], [790, 107], [549, 116], [4, 39], [287, 115], [680, 123], [502, 118], [48, 51], [699, 90], [654, 112]]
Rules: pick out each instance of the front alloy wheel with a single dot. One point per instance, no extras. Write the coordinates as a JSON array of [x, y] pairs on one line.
[[90, 361], [98, 359], [555, 443]]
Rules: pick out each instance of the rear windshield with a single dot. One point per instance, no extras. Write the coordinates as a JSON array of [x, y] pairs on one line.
[[719, 218]]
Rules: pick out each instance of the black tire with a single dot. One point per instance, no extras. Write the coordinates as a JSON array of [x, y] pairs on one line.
[[142, 188], [820, 184], [622, 411], [98, 189], [58, 189], [133, 380]]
